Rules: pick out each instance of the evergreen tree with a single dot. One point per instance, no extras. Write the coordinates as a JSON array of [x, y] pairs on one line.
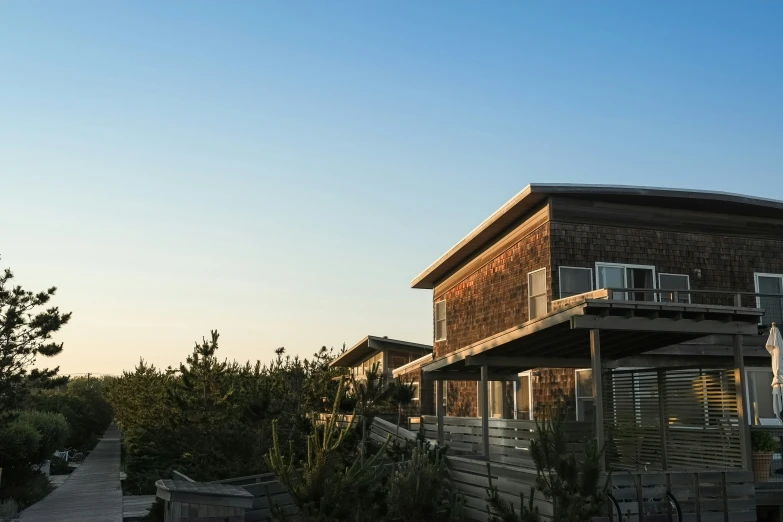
[[25, 333]]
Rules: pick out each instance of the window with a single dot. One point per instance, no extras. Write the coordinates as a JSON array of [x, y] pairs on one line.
[[496, 398], [416, 390], [523, 397], [574, 280], [584, 395], [440, 321], [397, 359], [615, 275], [759, 391], [674, 282], [536, 293], [770, 285], [368, 364]]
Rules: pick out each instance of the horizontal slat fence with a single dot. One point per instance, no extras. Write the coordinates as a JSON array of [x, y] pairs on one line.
[[509, 440], [672, 419], [702, 497]]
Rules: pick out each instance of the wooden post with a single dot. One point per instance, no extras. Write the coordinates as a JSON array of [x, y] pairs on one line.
[[663, 420], [440, 386], [508, 406], [598, 394], [484, 403], [739, 380]]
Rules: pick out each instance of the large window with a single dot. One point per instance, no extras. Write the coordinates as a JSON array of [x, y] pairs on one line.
[[574, 280], [496, 398], [616, 275], [536, 293], [416, 390], [771, 285], [759, 388], [584, 395], [674, 282], [440, 320], [523, 397]]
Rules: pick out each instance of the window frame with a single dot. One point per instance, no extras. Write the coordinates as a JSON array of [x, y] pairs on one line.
[[490, 397], [530, 297], [560, 278], [529, 375], [756, 276], [660, 287], [445, 320], [576, 393], [625, 266], [749, 398], [417, 394]]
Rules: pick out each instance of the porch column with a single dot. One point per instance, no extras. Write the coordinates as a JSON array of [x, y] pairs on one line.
[[508, 406], [739, 379], [440, 388], [484, 404], [598, 393]]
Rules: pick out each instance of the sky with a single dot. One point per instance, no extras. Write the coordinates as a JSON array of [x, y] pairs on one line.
[[281, 171]]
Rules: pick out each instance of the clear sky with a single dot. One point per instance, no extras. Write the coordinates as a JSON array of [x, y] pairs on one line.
[[280, 171]]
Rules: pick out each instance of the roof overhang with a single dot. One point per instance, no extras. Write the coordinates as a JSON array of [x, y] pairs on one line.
[[532, 196], [561, 338], [371, 345]]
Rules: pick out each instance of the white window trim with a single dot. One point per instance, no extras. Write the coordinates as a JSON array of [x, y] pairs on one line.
[[576, 392], [686, 276], [490, 387], [560, 277], [529, 375], [756, 276], [445, 319], [416, 384], [748, 399], [529, 297], [625, 274]]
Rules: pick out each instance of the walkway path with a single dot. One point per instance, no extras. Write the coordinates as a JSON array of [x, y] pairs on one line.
[[91, 494]]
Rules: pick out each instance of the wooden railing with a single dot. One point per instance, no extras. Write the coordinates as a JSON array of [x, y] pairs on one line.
[[509, 440], [768, 466]]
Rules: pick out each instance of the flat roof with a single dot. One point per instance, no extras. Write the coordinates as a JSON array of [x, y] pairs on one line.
[[373, 344], [534, 194]]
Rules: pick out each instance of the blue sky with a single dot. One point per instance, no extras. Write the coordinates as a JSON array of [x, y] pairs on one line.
[[281, 171]]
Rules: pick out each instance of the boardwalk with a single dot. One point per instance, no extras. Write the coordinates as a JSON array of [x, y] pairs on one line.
[[91, 494]]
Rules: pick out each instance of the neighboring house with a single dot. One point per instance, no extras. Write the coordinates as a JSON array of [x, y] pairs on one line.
[[388, 354], [552, 242]]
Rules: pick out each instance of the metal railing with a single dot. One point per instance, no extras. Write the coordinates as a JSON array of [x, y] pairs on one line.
[[767, 462], [772, 304]]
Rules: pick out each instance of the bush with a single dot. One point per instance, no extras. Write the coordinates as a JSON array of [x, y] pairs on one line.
[[25, 485], [59, 467], [8, 509], [18, 442], [53, 429], [763, 442]]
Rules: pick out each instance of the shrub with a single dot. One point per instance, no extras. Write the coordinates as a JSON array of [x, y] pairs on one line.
[[53, 429], [18, 442], [8, 509], [763, 442], [59, 467]]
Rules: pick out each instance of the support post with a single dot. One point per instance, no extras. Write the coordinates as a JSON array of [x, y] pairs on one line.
[[440, 388], [508, 406], [484, 403], [739, 380], [598, 394], [664, 423]]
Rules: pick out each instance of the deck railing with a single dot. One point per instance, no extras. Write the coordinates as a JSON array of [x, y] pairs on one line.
[[771, 303], [768, 465]]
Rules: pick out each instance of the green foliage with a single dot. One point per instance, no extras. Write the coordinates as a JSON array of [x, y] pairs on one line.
[[52, 428], [321, 487], [25, 333], [211, 419], [419, 489], [574, 487], [763, 442], [8, 510], [24, 485], [81, 401], [18, 442], [500, 510], [400, 394]]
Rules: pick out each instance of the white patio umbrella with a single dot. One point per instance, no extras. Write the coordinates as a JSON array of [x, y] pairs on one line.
[[774, 346]]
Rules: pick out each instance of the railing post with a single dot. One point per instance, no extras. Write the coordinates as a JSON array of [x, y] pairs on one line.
[[484, 402], [598, 395], [663, 420], [739, 380], [440, 386], [738, 300]]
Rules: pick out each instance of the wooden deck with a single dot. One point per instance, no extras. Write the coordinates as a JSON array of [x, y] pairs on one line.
[[91, 494]]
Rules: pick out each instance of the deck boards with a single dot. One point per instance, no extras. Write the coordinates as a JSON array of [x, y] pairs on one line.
[[91, 494]]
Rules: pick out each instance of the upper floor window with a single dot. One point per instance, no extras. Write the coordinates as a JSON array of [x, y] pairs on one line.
[[574, 280], [617, 275], [440, 320], [536, 293], [770, 286], [674, 282]]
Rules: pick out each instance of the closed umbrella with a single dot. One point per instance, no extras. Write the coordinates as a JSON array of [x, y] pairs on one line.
[[774, 345]]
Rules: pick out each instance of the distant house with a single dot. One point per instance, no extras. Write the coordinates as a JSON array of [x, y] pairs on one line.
[[388, 354]]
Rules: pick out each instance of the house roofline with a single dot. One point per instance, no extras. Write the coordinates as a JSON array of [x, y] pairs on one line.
[[528, 198], [372, 344]]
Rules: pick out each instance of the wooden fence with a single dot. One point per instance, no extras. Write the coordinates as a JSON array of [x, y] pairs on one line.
[[509, 440]]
